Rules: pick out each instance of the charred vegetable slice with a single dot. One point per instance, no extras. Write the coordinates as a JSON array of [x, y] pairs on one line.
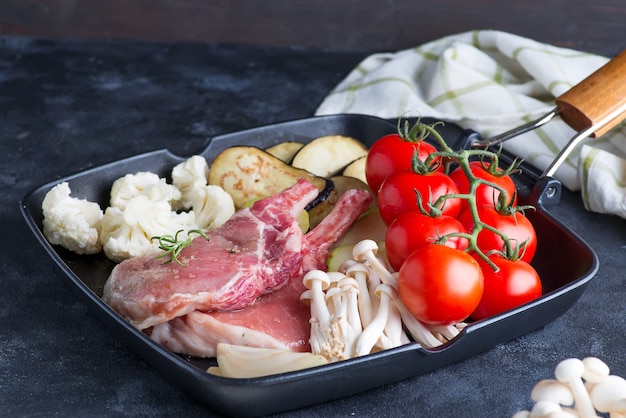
[[327, 156], [285, 151], [248, 173]]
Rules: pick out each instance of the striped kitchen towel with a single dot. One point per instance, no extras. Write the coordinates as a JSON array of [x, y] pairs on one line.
[[492, 81]]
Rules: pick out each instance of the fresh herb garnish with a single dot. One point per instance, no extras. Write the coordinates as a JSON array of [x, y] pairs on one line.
[[172, 247]]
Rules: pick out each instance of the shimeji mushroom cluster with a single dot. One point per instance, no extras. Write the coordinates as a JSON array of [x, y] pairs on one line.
[[356, 310], [582, 388]]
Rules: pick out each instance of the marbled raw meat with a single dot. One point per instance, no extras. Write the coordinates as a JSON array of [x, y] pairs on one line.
[[276, 320], [259, 250]]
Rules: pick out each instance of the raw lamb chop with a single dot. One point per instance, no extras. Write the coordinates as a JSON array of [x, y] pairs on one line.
[[259, 250], [276, 320]]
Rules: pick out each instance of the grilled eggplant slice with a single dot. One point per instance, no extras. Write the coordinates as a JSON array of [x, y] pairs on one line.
[[327, 156], [356, 169], [248, 173], [285, 151]]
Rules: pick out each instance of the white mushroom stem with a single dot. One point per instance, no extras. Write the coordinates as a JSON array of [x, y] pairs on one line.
[[373, 281], [333, 300], [448, 332], [333, 293], [316, 337], [351, 321], [394, 329], [374, 330], [418, 330], [350, 292], [317, 282], [366, 251], [570, 372], [359, 272]]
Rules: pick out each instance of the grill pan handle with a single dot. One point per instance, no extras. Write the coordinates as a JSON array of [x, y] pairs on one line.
[[594, 99]]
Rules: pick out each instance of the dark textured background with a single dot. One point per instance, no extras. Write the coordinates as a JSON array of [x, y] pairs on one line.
[[69, 105], [339, 24]]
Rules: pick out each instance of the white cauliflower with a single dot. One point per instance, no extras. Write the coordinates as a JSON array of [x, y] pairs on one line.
[[71, 222], [142, 183], [191, 174], [142, 206], [212, 206], [127, 232]]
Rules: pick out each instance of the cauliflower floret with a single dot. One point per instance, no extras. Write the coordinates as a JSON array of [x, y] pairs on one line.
[[127, 232], [212, 206], [142, 183], [187, 176], [71, 222]]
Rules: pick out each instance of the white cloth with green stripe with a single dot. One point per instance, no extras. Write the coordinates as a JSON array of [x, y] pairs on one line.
[[492, 81]]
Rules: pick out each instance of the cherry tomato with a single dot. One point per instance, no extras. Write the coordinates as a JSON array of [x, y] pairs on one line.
[[516, 283], [440, 285], [516, 226], [397, 194], [414, 229], [485, 195], [393, 153]]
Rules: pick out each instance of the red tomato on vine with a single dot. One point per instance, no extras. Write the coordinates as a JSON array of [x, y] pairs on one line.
[[515, 225], [440, 285], [485, 194], [515, 283], [394, 152], [414, 229], [398, 194]]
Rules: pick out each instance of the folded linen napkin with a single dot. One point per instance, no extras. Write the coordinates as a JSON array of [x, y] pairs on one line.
[[493, 81]]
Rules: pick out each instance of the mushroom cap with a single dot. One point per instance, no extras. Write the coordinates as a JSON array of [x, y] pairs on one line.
[[332, 292], [316, 275], [552, 390], [595, 369], [362, 247], [569, 370], [348, 283], [605, 394], [306, 297], [335, 276], [343, 267], [357, 267], [386, 289]]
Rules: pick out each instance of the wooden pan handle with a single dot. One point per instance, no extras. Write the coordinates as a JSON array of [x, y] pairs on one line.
[[596, 97]]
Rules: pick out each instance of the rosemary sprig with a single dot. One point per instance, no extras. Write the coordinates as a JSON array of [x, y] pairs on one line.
[[172, 247]]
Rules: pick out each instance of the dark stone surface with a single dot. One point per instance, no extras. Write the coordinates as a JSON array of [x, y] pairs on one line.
[[66, 106]]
